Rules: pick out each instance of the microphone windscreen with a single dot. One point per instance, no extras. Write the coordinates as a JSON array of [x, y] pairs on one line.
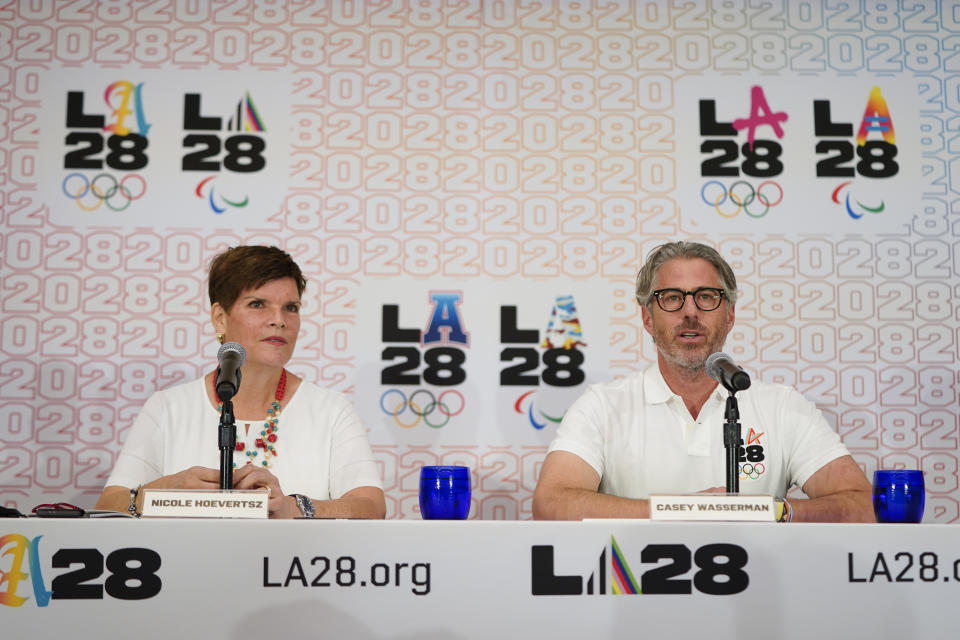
[[712, 365], [235, 347]]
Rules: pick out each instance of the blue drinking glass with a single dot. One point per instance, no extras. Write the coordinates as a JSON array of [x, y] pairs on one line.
[[444, 493], [898, 495]]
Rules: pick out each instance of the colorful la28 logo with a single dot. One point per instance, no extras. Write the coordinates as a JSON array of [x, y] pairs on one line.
[[442, 366], [244, 151], [235, 145], [444, 326], [131, 573], [562, 355], [720, 571], [876, 157], [90, 132], [761, 157], [560, 351]]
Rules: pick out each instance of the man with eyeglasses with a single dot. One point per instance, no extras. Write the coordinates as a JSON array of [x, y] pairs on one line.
[[659, 431]]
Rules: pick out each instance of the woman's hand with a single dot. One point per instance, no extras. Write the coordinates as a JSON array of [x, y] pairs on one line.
[[252, 477], [117, 498], [192, 478]]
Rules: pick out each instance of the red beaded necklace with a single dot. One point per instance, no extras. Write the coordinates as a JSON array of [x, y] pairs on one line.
[[268, 434]]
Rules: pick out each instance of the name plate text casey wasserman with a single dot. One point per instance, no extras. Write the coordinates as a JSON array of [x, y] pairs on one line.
[[200, 503], [713, 507]]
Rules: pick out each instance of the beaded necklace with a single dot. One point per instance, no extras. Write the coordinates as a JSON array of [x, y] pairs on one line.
[[268, 434]]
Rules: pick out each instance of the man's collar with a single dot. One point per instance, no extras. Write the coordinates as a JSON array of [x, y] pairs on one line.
[[655, 388]]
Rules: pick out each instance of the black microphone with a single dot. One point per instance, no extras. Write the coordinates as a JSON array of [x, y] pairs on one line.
[[231, 356], [721, 368]]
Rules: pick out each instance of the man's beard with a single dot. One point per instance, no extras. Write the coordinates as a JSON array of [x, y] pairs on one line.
[[694, 357]]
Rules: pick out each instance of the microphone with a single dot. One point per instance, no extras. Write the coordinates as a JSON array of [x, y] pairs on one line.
[[231, 356], [721, 368]]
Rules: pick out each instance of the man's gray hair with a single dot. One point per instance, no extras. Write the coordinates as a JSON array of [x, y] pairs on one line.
[[685, 250]]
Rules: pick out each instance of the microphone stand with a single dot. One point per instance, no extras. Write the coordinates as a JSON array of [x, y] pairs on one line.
[[228, 442], [731, 442]]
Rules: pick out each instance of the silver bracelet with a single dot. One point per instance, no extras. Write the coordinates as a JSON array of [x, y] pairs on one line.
[[304, 503], [133, 501]]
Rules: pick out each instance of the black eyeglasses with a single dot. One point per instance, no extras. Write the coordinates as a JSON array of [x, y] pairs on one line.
[[706, 298]]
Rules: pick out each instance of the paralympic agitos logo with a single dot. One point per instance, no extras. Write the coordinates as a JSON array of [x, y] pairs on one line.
[[717, 569], [131, 573]]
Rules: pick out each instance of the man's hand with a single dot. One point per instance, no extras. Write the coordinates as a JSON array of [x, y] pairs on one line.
[[714, 490], [568, 490]]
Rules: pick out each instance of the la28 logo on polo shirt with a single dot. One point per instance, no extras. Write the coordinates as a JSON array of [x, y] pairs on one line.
[[751, 456]]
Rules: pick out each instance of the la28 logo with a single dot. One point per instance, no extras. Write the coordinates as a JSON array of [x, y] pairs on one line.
[[761, 158], [89, 133], [131, 573], [720, 571], [876, 157], [444, 364], [244, 152], [561, 366]]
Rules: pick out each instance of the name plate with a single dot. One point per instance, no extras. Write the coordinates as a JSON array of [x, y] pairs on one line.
[[204, 503], [713, 507]]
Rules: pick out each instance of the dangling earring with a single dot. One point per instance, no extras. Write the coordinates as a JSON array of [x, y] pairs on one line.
[[221, 337]]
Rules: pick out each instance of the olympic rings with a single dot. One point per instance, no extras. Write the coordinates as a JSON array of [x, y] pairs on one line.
[[751, 471], [100, 193], [420, 411], [742, 200]]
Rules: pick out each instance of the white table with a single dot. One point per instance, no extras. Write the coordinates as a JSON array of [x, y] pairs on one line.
[[476, 579]]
